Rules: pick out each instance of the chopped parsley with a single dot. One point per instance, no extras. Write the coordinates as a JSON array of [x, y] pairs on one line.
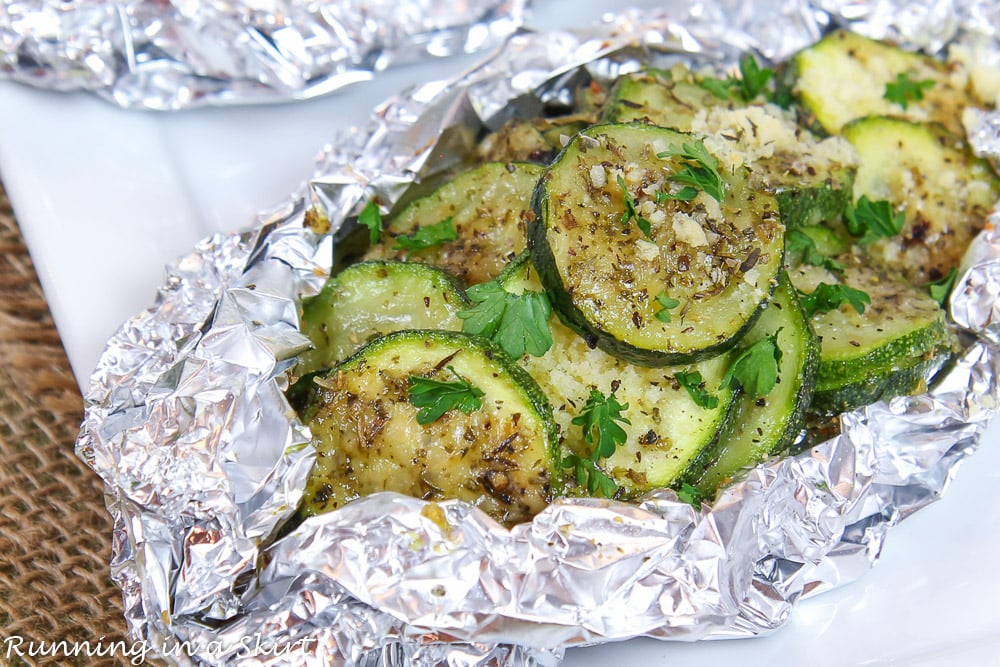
[[700, 168], [828, 297], [753, 77], [752, 81], [428, 236], [939, 289], [690, 494], [802, 244], [695, 386], [904, 90], [519, 323], [873, 220], [599, 420], [371, 218], [757, 368], [435, 397], [630, 212], [687, 193], [666, 304]]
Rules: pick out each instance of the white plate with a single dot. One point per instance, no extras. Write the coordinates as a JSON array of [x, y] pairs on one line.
[[106, 197]]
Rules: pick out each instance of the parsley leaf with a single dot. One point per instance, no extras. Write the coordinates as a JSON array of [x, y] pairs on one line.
[[700, 168], [588, 474], [904, 90], [695, 386], [939, 289], [630, 211], [666, 303], [756, 369], [519, 323], [799, 242], [371, 218], [435, 397], [752, 81], [753, 78], [687, 193], [598, 419], [828, 297], [873, 220], [690, 494], [428, 236], [721, 88]]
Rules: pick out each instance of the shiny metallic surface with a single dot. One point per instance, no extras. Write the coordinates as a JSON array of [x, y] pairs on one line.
[[172, 55], [204, 461]]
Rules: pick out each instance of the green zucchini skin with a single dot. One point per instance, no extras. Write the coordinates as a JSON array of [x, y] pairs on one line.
[[373, 298], [667, 428], [844, 76], [603, 277], [870, 356], [880, 385], [765, 426], [945, 207], [501, 457], [487, 205]]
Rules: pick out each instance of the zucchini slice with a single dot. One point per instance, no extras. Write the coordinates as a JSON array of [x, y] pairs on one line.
[[535, 140], [371, 299], [486, 205], [668, 98], [901, 328], [667, 430], [810, 178], [517, 140], [845, 76], [763, 426], [945, 192], [499, 457], [880, 384], [608, 279]]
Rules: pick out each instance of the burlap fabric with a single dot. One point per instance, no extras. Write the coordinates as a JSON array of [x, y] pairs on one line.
[[55, 533]]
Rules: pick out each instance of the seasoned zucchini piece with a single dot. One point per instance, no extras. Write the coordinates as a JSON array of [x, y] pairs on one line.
[[531, 140], [517, 140], [846, 76], [810, 178], [499, 455], [880, 384], [371, 299], [901, 328], [761, 426], [611, 251], [668, 98], [667, 428], [945, 192], [486, 207]]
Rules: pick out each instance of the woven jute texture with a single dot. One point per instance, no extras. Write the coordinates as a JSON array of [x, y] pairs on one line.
[[55, 533]]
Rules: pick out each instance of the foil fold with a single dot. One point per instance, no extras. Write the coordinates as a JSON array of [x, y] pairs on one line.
[[173, 55], [204, 461]]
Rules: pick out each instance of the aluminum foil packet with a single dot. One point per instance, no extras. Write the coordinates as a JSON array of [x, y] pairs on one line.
[[172, 55], [203, 459]]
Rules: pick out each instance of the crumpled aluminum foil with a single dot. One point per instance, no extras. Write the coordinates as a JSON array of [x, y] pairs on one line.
[[171, 55], [203, 459]]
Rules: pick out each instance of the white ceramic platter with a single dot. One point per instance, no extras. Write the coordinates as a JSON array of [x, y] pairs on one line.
[[105, 198]]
